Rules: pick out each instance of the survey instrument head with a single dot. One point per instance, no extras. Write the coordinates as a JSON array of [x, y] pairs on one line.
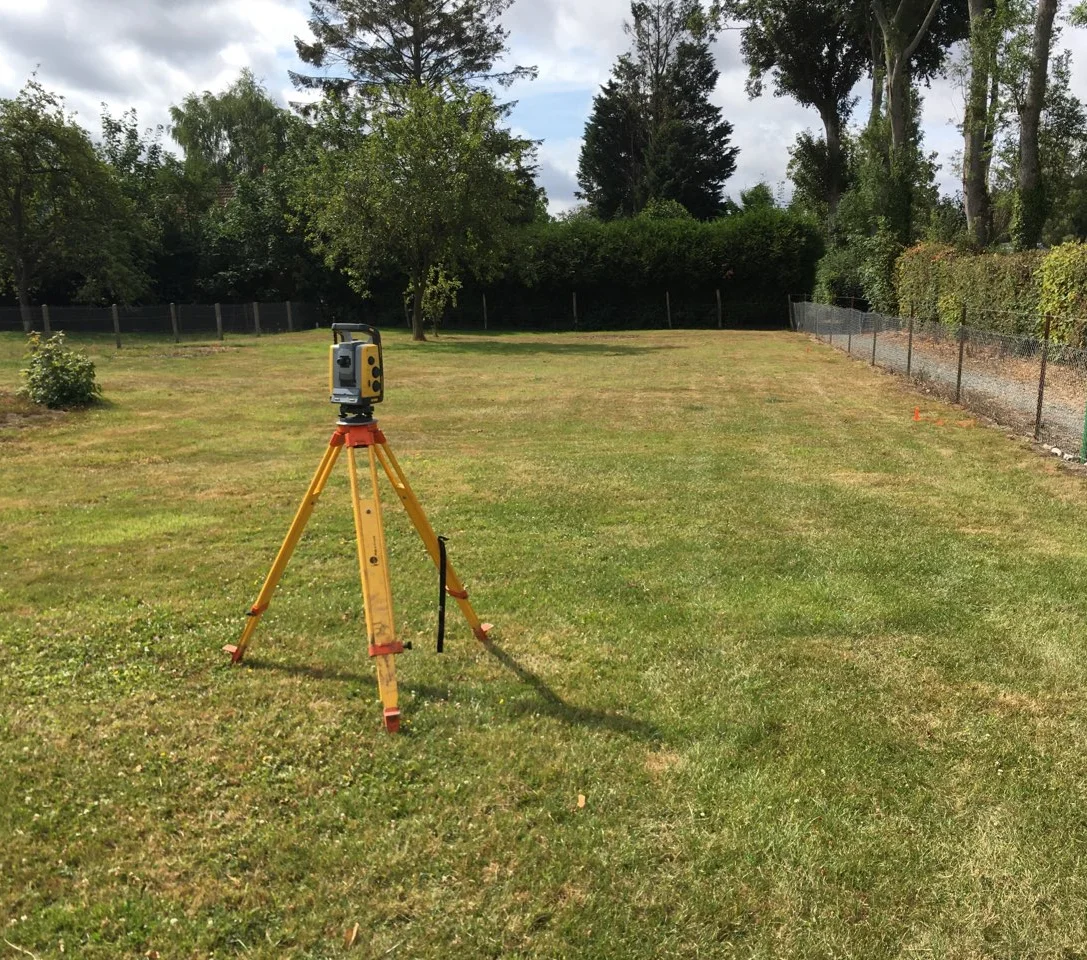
[[356, 373]]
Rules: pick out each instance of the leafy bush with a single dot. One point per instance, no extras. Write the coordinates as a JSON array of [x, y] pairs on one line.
[[1063, 280], [56, 375], [999, 291], [880, 252], [838, 276]]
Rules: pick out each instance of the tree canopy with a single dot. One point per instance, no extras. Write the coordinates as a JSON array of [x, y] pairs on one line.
[[375, 48]]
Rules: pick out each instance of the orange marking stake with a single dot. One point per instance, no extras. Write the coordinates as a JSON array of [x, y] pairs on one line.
[[916, 414]]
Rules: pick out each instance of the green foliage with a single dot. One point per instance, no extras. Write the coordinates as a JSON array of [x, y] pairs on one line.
[[61, 209], [838, 276], [432, 184], [658, 209], [387, 46], [623, 267], [1000, 291], [654, 131], [56, 375], [232, 134], [877, 268], [758, 197], [1063, 280]]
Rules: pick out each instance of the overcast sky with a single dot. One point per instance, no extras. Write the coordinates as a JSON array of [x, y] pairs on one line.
[[148, 54]]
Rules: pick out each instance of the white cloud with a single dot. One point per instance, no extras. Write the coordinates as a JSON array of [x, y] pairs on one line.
[[148, 54]]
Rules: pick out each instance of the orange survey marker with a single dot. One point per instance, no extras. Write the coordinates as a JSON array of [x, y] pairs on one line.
[[916, 414]]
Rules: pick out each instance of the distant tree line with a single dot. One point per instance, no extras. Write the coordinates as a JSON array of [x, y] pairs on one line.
[[872, 185], [402, 177]]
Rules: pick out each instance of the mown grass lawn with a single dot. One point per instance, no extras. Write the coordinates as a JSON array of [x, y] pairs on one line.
[[818, 670]]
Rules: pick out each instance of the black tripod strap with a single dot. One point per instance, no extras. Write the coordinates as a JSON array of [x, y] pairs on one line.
[[441, 593]]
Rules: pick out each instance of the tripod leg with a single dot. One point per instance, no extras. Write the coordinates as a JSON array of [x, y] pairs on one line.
[[317, 485], [454, 587], [377, 593]]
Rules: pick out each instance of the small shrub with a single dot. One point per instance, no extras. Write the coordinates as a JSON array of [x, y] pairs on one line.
[[56, 375]]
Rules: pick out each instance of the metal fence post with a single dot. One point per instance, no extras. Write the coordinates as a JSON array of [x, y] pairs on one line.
[[1083, 442], [116, 326], [1041, 377], [668, 306], [484, 311], [909, 347], [720, 312], [45, 319], [574, 298], [958, 376], [875, 330], [290, 318], [849, 339], [256, 316], [219, 320], [173, 322]]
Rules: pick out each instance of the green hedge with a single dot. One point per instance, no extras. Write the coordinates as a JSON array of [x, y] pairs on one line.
[[1009, 292], [1000, 291], [622, 269], [1063, 282]]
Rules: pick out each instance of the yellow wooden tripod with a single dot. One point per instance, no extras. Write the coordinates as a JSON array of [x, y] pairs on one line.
[[373, 560]]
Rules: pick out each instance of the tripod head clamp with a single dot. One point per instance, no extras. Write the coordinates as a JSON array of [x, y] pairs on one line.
[[356, 375]]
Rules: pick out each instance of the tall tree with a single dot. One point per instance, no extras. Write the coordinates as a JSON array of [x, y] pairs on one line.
[[234, 133], [60, 206], [373, 48], [653, 132], [980, 119], [1031, 206], [428, 190], [904, 25], [611, 169], [815, 51]]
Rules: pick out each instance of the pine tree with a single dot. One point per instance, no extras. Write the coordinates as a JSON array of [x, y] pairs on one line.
[[376, 48], [689, 158], [611, 170], [653, 133]]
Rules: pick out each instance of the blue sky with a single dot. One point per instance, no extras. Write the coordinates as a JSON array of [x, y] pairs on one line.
[[148, 54]]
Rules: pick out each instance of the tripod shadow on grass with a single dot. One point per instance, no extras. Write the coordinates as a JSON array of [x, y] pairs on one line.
[[547, 702], [551, 704]]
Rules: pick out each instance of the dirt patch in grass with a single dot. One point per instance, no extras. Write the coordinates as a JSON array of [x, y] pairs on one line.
[[17, 412]]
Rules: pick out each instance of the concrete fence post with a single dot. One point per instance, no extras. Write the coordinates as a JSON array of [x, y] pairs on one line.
[[290, 318], [173, 322], [574, 296], [668, 306], [256, 317], [721, 314], [45, 319], [116, 325], [219, 320], [484, 311]]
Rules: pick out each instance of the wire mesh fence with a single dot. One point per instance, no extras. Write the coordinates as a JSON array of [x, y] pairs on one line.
[[180, 320], [1028, 383]]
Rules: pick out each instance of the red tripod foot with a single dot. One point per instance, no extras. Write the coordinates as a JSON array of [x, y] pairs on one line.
[[392, 720], [235, 653]]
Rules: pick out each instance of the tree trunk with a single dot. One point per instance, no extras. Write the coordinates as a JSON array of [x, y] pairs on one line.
[[976, 127], [417, 331], [23, 293], [1030, 202], [832, 127], [878, 75], [898, 100]]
